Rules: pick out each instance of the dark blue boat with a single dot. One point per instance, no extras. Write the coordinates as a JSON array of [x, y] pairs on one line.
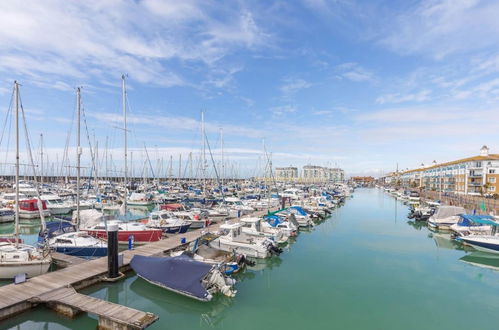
[[56, 234], [179, 274]]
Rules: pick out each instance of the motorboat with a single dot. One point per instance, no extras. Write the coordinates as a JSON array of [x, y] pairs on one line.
[[184, 275], [7, 215], [302, 217], [95, 224], [485, 243], [196, 220], [63, 237], [445, 216], [229, 262], [30, 209], [254, 226], [233, 239], [165, 221], [139, 199], [56, 205], [287, 227], [474, 225]]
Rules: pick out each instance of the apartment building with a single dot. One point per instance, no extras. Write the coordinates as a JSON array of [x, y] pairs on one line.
[[471, 175]]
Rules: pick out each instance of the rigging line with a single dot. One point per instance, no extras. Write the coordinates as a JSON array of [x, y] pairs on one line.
[[215, 168], [65, 155], [92, 152], [9, 114], [35, 177]]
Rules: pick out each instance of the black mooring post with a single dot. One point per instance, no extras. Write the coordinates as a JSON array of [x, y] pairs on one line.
[[112, 251]]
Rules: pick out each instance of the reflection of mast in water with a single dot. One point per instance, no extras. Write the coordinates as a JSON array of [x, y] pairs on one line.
[[395, 199]]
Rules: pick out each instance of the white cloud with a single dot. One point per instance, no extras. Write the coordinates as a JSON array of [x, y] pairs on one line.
[[177, 123], [101, 39], [293, 85], [281, 110], [354, 72], [437, 28], [421, 96]]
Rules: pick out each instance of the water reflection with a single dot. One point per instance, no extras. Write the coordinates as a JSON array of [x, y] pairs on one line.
[[482, 259], [418, 225], [210, 314], [268, 263]]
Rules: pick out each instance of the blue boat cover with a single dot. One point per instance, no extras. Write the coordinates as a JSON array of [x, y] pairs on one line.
[[180, 273], [55, 228], [475, 220], [300, 210], [273, 220]]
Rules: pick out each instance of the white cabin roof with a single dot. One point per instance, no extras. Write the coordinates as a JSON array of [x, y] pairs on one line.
[[231, 225], [249, 220]]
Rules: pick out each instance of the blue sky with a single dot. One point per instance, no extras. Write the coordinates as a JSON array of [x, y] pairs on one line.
[[360, 84]]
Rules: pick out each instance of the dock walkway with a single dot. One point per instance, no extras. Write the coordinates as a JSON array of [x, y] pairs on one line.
[[80, 273], [17, 298]]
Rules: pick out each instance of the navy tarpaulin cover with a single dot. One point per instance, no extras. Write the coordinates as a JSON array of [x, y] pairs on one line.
[[55, 228], [179, 273]]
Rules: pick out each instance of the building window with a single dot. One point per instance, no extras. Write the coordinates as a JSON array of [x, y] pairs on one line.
[[478, 164], [492, 171], [492, 180], [492, 188]]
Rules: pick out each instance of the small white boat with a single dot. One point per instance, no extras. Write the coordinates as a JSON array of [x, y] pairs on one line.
[[22, 259], [233, 239], [56, 205], [255, 227], [139, 199], [7, 215], [445, 216]]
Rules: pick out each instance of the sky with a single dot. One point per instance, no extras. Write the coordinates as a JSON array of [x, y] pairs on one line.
[[362, 85]]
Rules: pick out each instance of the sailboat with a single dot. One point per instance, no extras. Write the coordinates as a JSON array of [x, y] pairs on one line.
[[62, 235], [17, 258], [96, 224]]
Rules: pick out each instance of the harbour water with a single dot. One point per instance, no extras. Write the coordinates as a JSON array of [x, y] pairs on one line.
[[366, 267]]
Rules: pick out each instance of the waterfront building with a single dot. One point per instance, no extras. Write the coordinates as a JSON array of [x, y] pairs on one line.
[[310, 173], [364, 181], [472, 175], [286, 173]]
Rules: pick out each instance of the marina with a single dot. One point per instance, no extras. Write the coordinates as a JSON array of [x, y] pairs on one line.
[[241, 165], [373, 259]]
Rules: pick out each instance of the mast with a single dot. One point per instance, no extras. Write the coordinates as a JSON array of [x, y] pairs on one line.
[[16, 90], [190, 165], [203, 154], [179, 166], [222, 147], [41, 158], [123, 96], [78, 157]]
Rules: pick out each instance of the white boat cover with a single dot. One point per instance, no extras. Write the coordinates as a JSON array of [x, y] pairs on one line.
[[446, 211]]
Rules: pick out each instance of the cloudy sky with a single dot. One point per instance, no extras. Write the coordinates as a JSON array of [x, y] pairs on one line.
[[361, 84]]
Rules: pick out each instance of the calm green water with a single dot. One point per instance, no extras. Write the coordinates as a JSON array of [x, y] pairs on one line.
[[364, 268]]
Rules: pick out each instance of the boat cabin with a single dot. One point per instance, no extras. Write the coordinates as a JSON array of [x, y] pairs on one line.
[[253, 223], [31, 205]]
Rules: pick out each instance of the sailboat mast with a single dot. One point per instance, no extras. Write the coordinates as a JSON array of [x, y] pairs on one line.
[[78, 157], [41, 158], [16, 88], [123, 95], [222, 147], [203, 155]]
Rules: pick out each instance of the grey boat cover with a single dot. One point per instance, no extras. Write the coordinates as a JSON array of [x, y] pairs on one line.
[[179, 273], [445, 211]]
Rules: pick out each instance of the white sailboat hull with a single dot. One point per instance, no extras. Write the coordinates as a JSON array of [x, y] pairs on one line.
[[9, 270]]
